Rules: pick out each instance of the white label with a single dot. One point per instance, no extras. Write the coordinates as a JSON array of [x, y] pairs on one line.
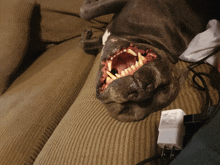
[[105, 37]]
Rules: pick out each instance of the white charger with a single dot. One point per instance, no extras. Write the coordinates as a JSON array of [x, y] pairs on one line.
[[171, 129]]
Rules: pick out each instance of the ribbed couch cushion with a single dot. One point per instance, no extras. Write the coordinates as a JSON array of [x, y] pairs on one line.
[[60, 20], [15, 18], [35, 103], [88, 135]]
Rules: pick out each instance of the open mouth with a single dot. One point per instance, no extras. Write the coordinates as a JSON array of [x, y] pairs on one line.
[[124, 62]]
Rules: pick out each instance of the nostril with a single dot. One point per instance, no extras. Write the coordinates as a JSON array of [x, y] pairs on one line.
[[139, 90], [149, 88], [139, 95], [133, 95]]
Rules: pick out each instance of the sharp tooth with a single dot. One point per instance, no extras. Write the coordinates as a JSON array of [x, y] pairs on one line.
[[118, 75], [140, 63], [122, 73], [133, 67], [129, 69], [108, 79], [111, 58], [137, 64], [125, 50], [111, 75], [140, 58], [132, 52], [126, 71], [110, 66], [139, 55]]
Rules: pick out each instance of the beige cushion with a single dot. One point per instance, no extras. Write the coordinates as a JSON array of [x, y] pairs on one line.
[[36, 102], [60, 21], [14, 32], [87, 135]]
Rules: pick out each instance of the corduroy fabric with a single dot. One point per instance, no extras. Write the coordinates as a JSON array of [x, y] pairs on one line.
[[35, 103], [61, 21], [15, 18], [87, 135]]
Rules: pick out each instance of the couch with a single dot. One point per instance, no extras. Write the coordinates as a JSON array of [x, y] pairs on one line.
[[49, 114]]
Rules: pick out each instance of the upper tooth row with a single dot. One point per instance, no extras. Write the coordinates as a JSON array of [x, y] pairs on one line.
[[125, 50], [140, 61], [132, 52]]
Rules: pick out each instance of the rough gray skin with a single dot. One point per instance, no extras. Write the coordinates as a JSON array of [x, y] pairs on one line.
[[166, 27]]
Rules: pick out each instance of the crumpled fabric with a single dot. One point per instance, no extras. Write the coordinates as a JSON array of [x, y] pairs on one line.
[[204, 44]]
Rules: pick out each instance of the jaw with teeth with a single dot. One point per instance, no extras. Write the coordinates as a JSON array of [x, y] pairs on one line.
[[124, 62]]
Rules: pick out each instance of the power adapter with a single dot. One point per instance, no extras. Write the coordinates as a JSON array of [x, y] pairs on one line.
[[171, 135], [171, 129]]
